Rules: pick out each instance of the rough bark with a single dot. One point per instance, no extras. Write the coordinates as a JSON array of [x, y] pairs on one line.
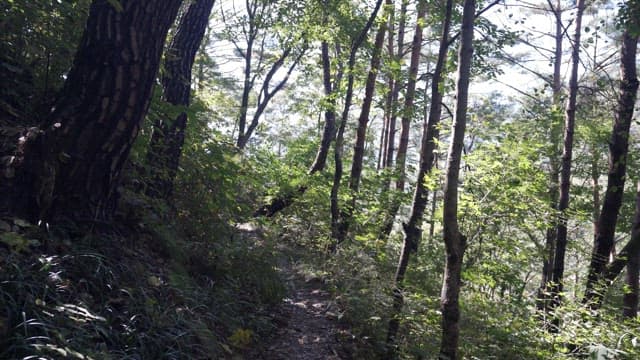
[[167, 138], [71, 167], [413, 227], [618, 151], [557, 277], [455, 242]]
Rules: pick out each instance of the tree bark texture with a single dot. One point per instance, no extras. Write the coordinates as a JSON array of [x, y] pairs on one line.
[[567, 156], [413, 227], [618, 152], [455, 242], [167, 138], [71, 167]]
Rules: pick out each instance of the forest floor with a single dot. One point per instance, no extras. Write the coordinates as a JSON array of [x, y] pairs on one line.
[[308, 326]]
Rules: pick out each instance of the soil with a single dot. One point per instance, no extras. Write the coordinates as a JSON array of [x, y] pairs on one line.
[[307, 319], [309, 329]]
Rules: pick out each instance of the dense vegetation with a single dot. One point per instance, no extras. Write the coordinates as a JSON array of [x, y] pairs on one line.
[[459, 175]]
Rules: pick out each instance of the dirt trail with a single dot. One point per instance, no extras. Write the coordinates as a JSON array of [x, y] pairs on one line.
[[310, 330], [308, 327]]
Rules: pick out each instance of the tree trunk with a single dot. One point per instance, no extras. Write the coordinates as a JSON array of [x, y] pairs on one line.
[[567, 155], [554, 168], [455, 242], [363, 119], [71, 168], [630, 299], [630, 257], [618, 150], [407, 115], [413, 228], [329, 131], [394, 86], [409, 97], [168, 134]]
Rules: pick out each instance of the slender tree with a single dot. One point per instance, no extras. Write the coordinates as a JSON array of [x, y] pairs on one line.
[[338, 228], [455, 242], [618, 154], [632, 279], [168, 134], [70, 167], [369, 91], [567, 156], [261, 65], [394, 86], [408, 111], [329, 131], [554, 168], [412, 228]]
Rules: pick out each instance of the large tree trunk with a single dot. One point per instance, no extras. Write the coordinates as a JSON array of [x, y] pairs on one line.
[[407, 114], [455, 242], [168, 134], [71, 168], [412, 229], [618, 150], [557, 277]]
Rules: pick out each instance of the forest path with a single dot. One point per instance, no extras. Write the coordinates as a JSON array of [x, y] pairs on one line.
[[310, 330]]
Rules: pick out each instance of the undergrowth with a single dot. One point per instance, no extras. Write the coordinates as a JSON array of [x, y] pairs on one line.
[[159, 288]]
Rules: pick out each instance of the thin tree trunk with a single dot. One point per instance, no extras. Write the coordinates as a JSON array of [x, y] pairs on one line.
[[71, 167], [363, 119], [328, 134], [167, 138], [627, 257], [618, 151], [554, 169], [409, 97], [630, 298], [407, 115], [455, 242], [567, 155], [395, 85], [339, 227], [413, 228], [247, 79]]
